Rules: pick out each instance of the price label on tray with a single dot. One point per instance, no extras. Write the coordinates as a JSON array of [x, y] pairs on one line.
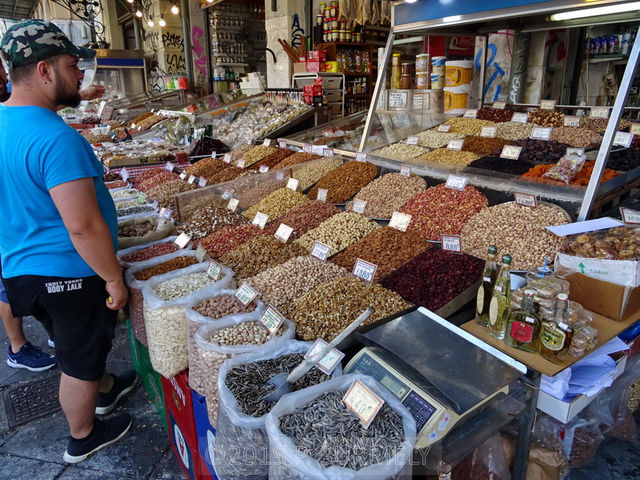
[[451, 243], [282, 144], [267, 142], [183, 175], [413, 140], [213, 154], [271, 320], [455, 144], [525, 199], [245, 294], [182, 240], [488, 132], [571, 121], [124, 174], [363, 402], [233, 204], [192, 179], [456, 182], [308, 148], [623, 139], [165, 212], [359, 206], [541, 133], [444, 128], [201, 253], [400, 221], [629, 216], [520, 117], [512, 152], [320, 251], [329, 362], [283, 232], [202, 182], [405, 170], [473, 113], [365, 270], [260, 220], [361, 157], [548, 104], [251, 141], [169, 166], [327, 152], [227, 158], [279, 175], [240, 163], [635, 128], [263, 168], [500, 105], [322, 194], [599, 112], [214, 270], [227, 194], [293, 183], [142, 198]]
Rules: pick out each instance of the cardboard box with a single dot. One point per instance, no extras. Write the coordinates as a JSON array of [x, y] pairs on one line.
[[300, 67], [312, 90], [565, 411], [206, 435], [316, 56], [315, 67]]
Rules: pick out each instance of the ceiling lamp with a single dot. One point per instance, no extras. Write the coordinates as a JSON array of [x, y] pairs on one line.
[[593, 12], [174, 9], [161, 22]]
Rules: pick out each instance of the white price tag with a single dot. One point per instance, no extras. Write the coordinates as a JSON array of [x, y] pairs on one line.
[[511, 152], [201, 253], [635, 128], [169, 166], [488, 132], [165, 213], [327, 152], [629, 216], [470, 113], [240, 163], [293, 183], [525, 199], [192, 179], [182, 240], [308, 148], [271, 320], [202, 182], [260, 220], [398, 99], [283, 232], [500, 105], [361, 157], [599, 112], [267, 142], [363, 402], [359, 206], [183, 175], [282, 144], [320, 251], [577, 151], [444, 128], [124, 174], [456, 182], [322, 194], [548, 104], [329, 362], [227, 158], [413, 140], [233, 204], [451, 243], [623, 139], [227, 194], [250, 142], [365, 270], [279, 175], [263, 168], [405, 170], [455, 144], [571, 121], [400, 221], [245, 294], [213, 154], [520, 117], [214, 270], [541, 133]]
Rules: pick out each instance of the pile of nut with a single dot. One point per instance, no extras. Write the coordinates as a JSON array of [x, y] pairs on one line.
[[221, 306], [344, 182], [228, 238], [338, 232], [245, 333], [284, 283], [138, 229], [443, 211], [495, 114], [516, 230], [311, 172], [599, 125], [158, 179], [126, 203], [135, 209], [225, 175], [273, 159], [546, 118], [620, 243], [388, 194], [149, 252], [295, 159], [514, 130], [328, 309], [117, 194], [207, 220], [164, 267], [575, 136], [435, 139], [504, 165], [167, 339], [541, 150], [263, 188], [386, 247], [484, 145], [207, 167], [400, 151], [468, 126], [276, 204], [165, 192], [194, 205], [237, 153], [445, 158], [303, 218], [116, 184], [256, 154], [182, 286]]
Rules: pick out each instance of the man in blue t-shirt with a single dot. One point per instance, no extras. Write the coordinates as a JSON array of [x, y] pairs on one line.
[[58, 230]]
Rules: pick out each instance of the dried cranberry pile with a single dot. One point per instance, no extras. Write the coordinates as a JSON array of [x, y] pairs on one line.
[[435, 277]]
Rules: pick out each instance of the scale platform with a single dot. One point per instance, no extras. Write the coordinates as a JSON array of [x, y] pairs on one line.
[[440, 372]]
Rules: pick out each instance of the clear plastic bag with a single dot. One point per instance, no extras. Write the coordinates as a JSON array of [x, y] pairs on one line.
[[286, 462], [566, 169], [487, 462], [165, 322], [166, 230]]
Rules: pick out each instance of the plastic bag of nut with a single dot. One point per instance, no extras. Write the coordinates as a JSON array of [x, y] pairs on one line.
[[165, 297], [206, 308], [128, 256], [158, 232], [223, 339], [241, 449]]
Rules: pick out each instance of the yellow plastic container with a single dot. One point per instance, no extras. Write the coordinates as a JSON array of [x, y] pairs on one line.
[[456, 99], [458, 73]]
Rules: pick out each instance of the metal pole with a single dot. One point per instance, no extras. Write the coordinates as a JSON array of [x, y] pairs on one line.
[[136, 33], [609, 134], [186, 35], [382, 70], [526, 420], [207, 36]]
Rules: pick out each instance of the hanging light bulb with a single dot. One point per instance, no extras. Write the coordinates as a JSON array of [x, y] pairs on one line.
[[130, 1], [174, 9], [209, 1], [150, 22], [161, 22], [138, 13]]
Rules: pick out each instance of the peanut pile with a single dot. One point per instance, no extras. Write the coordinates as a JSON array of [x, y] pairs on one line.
[[276, 204], [400, 151], [388, 194], [435, 139], [303, 218], [338, 232], [344, 182], [445, 158], [309, 173], [514, 130], [164, 267], [468, 126]]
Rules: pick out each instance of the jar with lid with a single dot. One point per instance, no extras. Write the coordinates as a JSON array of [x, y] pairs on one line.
[[343, 35], [395, 71], [334, 8], [405, 77], [349, 36], [319, 19], [323, 7], [334, 24]]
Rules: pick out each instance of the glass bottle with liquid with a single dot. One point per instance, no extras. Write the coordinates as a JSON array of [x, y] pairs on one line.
[[523, 327], [500, 300], [395, 71], [556, 333], [485, 291]]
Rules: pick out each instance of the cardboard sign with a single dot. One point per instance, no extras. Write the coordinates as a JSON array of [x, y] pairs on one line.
[[169, 166], [599, 112], [444, 128], [263, 168], [500, 105], [456, 182], [511, 152], [363, 402], [293, 183], [182, 240], [405, 170], [413, 140], [260, 220], [183, 175], [327, 152], [629, 216], [202, 182], [308, 148], [451, 243], [329, 362], [471, 113], [283, 232], [400, 221], [227, 158], [267, 142], [213, 154], [519, 117], [282, 144], [548, 104], [214, 270], [541, 133], [271, 320], [525, 199], [192, 179], [359, 206], [233, 204], [245, 294], [361, 157], [365, 270], [571, 121], [455, 144], [320, 251], [398, 99], [322, 194], [623, 139], [489, 132]]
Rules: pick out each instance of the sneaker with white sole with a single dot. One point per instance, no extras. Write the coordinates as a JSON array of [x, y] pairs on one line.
[[51, 343], [30, 357], [122, 384], [105, 432]]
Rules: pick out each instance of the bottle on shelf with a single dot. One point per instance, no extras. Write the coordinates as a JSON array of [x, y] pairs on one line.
[[523, 327], [395, 71], [485, 291], [556, 334], [500, 299]]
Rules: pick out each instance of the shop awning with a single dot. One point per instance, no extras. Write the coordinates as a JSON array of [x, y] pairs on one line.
[[16, 9]]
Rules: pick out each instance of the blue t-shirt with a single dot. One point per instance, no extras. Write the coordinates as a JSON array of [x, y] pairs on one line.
[[37, 152]]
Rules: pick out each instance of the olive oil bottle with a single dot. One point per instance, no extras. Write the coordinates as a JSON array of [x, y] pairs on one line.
[[500, 300], [485, 291]]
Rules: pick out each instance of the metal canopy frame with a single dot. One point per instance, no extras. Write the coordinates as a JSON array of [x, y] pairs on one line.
[[16, 9], [494, 20]]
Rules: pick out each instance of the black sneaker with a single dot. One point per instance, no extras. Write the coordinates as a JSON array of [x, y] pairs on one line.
[[122, 385], [105, 432], [31, 358]]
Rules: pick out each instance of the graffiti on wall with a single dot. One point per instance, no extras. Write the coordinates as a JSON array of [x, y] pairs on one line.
[[174, 62], [200, 54], [296, 31], [172, 40], [151, 40]]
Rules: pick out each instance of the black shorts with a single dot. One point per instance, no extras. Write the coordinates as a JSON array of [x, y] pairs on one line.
[[83, 326]]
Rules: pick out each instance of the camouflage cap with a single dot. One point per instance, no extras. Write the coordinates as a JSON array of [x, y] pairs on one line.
[[34, 40]]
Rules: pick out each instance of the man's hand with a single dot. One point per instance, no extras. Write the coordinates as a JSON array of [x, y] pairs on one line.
[[92, 92], [117, 294]]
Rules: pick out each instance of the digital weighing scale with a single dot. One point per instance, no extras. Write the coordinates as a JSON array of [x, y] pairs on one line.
[[442, 374]]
